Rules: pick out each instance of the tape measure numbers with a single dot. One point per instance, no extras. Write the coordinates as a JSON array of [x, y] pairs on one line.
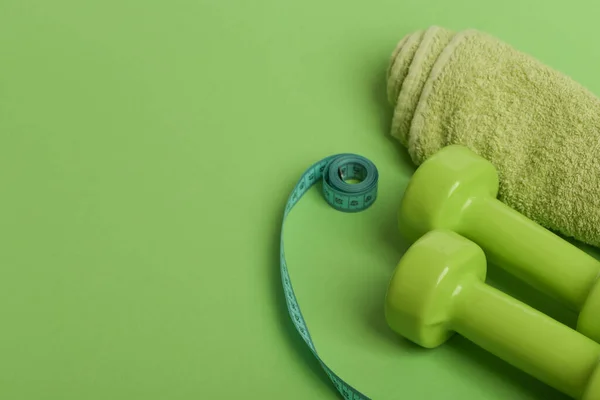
[[335, 171]]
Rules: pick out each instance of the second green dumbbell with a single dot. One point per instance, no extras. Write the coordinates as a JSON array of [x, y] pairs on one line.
[[456, 189], [438, 288]]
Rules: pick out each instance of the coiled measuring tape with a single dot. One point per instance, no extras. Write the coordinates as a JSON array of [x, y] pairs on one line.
[[343, 196]]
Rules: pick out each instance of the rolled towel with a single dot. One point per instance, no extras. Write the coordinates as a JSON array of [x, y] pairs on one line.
[[540, 128]]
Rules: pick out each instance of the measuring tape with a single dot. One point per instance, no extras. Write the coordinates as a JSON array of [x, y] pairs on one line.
[[343, 196]]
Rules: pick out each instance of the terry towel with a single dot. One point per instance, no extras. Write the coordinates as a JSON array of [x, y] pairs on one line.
[[539, 128]]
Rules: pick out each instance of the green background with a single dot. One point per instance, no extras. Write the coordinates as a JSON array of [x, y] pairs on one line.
[[146, 152]]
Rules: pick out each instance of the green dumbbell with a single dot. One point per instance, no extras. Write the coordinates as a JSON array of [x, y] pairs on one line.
[[456, 189], [438, 288]]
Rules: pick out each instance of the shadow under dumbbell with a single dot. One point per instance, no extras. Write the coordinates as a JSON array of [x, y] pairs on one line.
[[591, 250], [390, 235], [503, 281], [509, 375]]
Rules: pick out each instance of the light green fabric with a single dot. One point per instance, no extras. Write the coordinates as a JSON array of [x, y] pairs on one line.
[[411, 65], [540, 128]]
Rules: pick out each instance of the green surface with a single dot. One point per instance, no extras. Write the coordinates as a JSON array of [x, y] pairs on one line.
[[146, 152]]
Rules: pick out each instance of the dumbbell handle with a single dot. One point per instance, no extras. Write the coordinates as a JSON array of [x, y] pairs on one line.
[[529, 251], [525, 337]]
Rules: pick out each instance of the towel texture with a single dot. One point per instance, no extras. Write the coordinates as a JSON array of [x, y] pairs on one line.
[[540, 128]]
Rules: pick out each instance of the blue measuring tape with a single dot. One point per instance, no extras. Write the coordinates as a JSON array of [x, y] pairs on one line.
[[343, 196]]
